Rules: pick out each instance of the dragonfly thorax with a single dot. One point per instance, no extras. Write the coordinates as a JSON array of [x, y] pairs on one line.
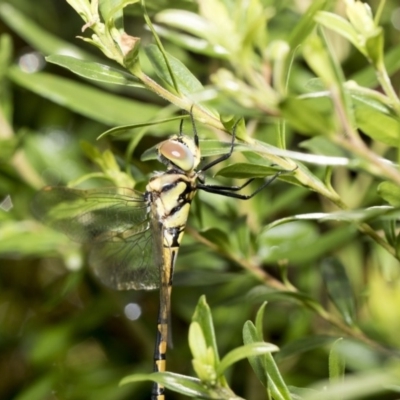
[[179, 152]]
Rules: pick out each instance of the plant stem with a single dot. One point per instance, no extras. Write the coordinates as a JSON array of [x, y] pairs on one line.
[[184, 103], [270, 281]]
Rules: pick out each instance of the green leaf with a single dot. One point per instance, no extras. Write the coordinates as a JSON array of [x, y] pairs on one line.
[[259, 320], [298, 113], [322, 146], [111, 10], [188, 42], [95, 71], [186, 81], [337, 363], [286, 238], [37, 37], [6, 99], [339, 25], [300, 243], [250, 335], [303, 345], [246, 170], [8, 148], [377, 125], [28, 238], [366, 214], [374, 47], [203, 357], [182, 384], [307, 22], [356, 386], [40, 388], [390, 192], [125, 132], [210, 148], [217, 14], [184, 21], [339, 288], [276, 384], [203, 317], [264, 366], [367, 76], [248, 350], [90, 102], [6, 53], [318, 58], [218, 238]]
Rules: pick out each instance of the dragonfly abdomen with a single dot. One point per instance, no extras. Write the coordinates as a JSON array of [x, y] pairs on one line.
[[170, 195]]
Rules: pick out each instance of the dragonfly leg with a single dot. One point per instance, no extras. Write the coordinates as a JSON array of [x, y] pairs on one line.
[[230, 191], [224, 188], [224, 156]]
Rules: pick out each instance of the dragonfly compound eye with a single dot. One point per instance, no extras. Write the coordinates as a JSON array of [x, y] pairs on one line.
[[178, 154]]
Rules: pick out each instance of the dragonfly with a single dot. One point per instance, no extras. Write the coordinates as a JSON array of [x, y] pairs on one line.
[[135, 237]]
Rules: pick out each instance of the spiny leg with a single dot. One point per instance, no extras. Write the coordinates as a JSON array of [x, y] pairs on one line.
[[224, 156], [229, 191]]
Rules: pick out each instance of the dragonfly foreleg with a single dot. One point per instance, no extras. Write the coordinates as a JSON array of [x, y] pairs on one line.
[[224, 156], [230, 191], [224, 188]]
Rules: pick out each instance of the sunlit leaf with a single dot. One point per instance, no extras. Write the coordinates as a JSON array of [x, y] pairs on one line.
[[390, 192], [264, 365], [36, 36], [180, 383], [203, 316], [379, 126], [243, 170], [186, 81], [248, 350], [95, 71], [307, 22], [88, 101], [336, 363]]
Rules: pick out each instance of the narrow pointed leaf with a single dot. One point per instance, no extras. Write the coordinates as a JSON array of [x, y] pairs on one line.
[[95, 71], [180, 383], [248, 350], [247, 170], [339, 288], [337, 363], [250, 336], [186, 81], [36, 36], [264, 365], [377, 125], [125, 132], [90, 102], [390, 192], [307, 22], [203, 316]]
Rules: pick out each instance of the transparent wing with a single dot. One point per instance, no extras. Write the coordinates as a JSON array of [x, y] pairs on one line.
[[91, 215], [115, 222], [128, 261]]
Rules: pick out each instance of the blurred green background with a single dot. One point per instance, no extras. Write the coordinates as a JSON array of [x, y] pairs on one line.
[[65, 336]]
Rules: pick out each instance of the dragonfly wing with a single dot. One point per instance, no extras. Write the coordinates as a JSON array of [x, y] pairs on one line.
[[90, 215], [128, 261], [115, 222]]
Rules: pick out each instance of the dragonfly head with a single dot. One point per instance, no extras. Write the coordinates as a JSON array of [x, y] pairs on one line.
[[180, 151]]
